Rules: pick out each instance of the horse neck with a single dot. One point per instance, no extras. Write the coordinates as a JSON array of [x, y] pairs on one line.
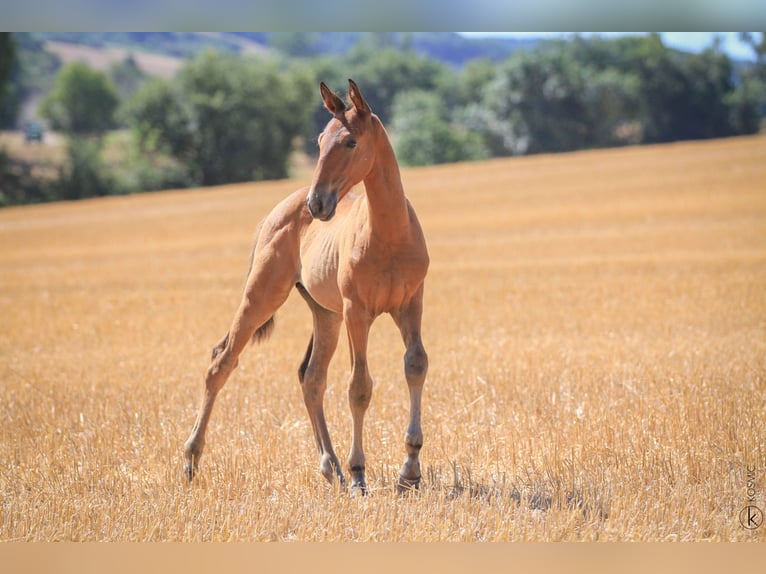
[[387, 205]]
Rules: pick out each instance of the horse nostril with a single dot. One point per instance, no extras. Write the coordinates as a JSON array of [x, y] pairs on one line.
[[314, 203], [322, 208]]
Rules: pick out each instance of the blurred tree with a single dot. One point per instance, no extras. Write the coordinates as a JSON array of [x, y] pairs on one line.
[[758, 45], [7, 58], [84, 173], [9, 101], [423, 134], [31, 75], [18, 184], [126, 77], [687, 96], [226, 118], [383, 73], [537, 100], [595, 92], [754, 75], [472, 80], [710, 81], [611, 88], [82, 104], [162, 119], [82, 101], [332, 72]]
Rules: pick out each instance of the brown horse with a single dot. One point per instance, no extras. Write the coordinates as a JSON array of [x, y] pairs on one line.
[[352, 259]]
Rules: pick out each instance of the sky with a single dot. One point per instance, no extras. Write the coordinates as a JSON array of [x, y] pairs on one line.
[[689, 41]]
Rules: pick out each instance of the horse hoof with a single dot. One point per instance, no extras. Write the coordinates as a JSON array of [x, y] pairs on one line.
[[358, 482], [330, 469], [359, 488], [405, 485], [189, 472]]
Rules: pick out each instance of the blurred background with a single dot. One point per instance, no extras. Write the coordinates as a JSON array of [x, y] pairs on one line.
[[95, 113]]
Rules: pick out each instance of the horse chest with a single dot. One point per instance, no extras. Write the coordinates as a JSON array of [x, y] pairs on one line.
[[385, 279]]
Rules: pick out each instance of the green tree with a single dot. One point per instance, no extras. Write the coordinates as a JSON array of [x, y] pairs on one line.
[[84, 174], [612, 88], [7, 58], [710, 83], [82, 101], [18, 184], [8, 64], [538, 102], [424, 135], [31, 75], [596, 92], [162, 119], [688, 96], [663, 89], [382, 74], [754, 79], [332, 72], [82, 104], [472, 80], [126, 77], [226, 118]]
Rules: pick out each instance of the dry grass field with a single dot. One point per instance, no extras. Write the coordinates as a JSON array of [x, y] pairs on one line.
[[596, 324]]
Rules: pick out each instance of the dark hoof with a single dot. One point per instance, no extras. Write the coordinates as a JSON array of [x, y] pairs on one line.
[[330, 469], [189, 472], [359, 488], [405, 485], [358, 482]]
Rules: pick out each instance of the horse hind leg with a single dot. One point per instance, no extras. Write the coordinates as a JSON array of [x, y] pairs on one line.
[[265, 293], [225, 358], [223, 362]]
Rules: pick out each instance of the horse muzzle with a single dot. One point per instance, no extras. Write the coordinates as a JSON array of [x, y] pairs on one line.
[[322, 205]]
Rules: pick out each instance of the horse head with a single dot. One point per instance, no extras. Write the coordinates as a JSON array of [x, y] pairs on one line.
[[346, 151]]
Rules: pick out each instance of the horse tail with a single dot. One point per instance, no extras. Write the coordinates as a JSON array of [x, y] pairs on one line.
[[263, 332]]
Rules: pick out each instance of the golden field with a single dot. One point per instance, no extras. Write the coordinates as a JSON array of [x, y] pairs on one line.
[[596, 326]]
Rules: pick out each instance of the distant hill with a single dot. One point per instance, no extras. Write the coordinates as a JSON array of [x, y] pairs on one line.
[[174, 44], [103, 57], [447, 47]]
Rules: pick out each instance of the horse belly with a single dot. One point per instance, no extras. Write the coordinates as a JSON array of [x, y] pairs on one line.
[[319, 275]]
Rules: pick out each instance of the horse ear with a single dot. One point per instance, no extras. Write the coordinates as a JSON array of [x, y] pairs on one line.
[[332, 102], [356, 97]]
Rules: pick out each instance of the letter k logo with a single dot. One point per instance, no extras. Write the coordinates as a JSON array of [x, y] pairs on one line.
[[751, 517]]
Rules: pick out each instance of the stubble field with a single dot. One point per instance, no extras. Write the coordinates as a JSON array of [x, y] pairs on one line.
[[596, 326]]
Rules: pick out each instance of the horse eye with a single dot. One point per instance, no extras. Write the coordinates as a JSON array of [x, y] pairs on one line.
[[351, 144]]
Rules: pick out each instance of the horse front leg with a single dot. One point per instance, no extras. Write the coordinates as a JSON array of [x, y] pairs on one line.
[[358, 322], [415, 368], [313, 379]]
